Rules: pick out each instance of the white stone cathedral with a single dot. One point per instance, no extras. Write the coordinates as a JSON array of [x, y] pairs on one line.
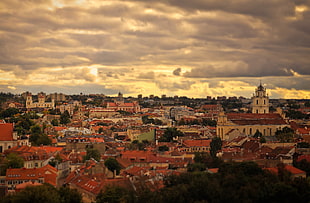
[[260, 100]]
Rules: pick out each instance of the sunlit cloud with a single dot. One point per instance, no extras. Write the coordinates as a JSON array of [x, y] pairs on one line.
[[191, 48]]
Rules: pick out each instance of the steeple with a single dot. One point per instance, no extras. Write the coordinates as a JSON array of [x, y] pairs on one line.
[[260, 100]]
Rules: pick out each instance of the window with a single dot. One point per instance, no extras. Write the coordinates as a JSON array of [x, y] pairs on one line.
[[264, 101], [256, 101]]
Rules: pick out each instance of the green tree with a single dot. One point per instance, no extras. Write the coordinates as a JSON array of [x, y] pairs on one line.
[[163, 148], [303, 145], [113, 165], [14, 161], [257, 134], [92, 153], [207, 160], [65, 118], [169, 134], [55, 122], [43, 193], [68, 195], [262, 139], [100, 130], [43, 140], [115, 194], [215, 145], [9, 112], [37, 137], [196, 167], [303, 165], [285, 135]]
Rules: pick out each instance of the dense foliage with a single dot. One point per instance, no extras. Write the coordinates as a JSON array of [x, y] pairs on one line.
[[37, 137], [44, 193], [285, 135], [215, 145], [65, 118], [113, 165], [12, 160], [169, 134], [235, 182], [92, 153], [203, 122], [147, 120]]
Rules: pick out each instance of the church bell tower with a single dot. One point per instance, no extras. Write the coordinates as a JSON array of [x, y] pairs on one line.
[[260, 100]]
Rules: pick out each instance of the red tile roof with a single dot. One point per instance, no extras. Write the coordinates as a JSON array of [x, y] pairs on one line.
[[59, 128], [256, 119], [305, 156], [293, 170], [197, 143], [47, 172], [213, 170], [6, 131], [26, 184]]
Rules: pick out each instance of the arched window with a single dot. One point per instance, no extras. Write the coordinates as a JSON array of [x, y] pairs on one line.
[[257, 101], [264, 101]]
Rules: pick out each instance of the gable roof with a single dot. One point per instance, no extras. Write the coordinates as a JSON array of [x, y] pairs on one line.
[[6, 131], [293, 170], [256, 119], [47, 172], [197, 143]]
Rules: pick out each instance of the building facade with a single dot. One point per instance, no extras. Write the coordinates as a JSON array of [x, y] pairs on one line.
[[231, 125], [41, 102], [260, 100]]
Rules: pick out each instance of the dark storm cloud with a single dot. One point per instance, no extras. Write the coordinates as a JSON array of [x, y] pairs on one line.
[[226, 39], [177, 72], [260, 8]]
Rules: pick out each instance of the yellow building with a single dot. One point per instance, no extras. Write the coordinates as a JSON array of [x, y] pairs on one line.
[[41, 102], [231, 125]]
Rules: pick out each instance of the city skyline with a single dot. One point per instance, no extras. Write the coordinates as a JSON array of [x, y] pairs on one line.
[[186, 48]]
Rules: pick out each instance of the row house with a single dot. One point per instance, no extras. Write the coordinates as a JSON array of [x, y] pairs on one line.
[[16, 176], [200, 145], [8, 138], [35, 156]]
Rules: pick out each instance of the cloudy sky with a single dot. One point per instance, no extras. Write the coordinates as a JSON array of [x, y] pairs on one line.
[[188, 48]]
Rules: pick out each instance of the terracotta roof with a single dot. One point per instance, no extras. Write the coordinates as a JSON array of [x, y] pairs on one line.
[[291, 169], [47, 172], [6, 131], [213, 170], [197, 143], [303, 131], [256, 119], [26, 184], [305, 156], [59, 128]]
